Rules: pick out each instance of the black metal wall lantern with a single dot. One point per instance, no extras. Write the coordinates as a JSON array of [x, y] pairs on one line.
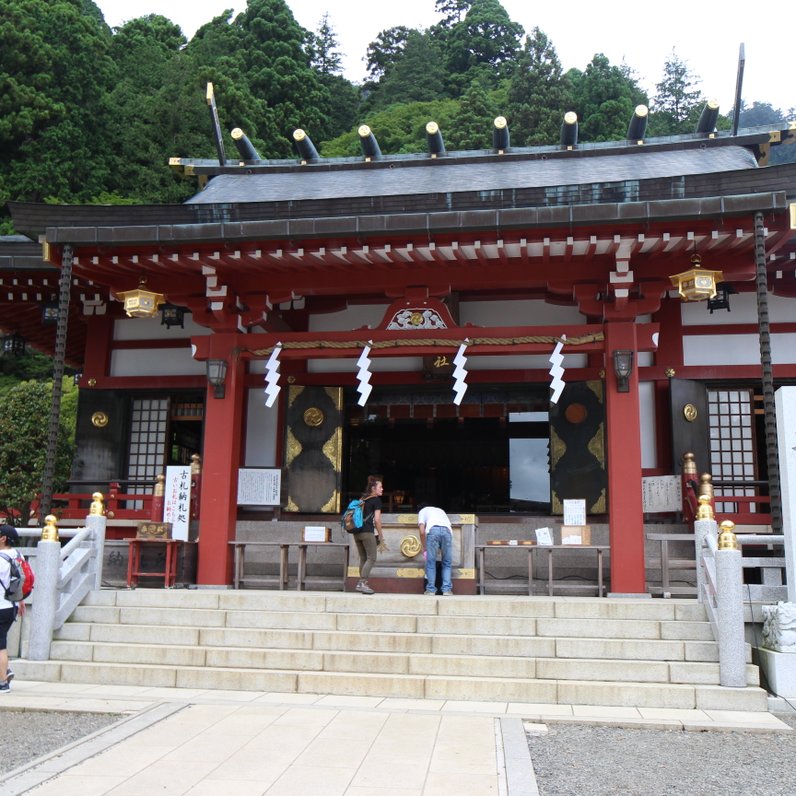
[[217, 376], [623, 367], [721, 301], [14, 345], [172, 315], [49, 312]]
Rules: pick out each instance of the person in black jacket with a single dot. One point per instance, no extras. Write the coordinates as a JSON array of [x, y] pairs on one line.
[[365, 539]]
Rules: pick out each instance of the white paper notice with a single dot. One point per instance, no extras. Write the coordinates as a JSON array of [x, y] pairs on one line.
[[260, 487], [544, 537], [574, 512]]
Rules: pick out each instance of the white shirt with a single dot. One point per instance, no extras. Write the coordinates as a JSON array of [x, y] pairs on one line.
[[431, 516], [5, 575]]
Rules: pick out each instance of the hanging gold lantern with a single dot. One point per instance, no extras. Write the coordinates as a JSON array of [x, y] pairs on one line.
[[141, 303], [697, 283]]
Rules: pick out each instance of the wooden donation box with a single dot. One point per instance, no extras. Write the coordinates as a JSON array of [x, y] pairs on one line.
[[401, 568]]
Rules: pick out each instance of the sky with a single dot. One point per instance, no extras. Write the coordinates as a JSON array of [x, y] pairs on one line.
[[707, 36]]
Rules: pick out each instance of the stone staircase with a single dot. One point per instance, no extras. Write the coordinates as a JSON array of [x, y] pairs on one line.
[[563, 650]]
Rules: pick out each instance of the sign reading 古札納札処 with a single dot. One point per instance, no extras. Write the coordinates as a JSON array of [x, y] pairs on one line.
[[177, 501], [259, 487]]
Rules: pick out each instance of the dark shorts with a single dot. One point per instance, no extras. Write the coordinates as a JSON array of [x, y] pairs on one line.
[[7, 616]]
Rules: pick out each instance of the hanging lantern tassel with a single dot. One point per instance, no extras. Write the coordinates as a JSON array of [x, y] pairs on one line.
[[460, 374], [363, 374], [272, 375], [557, 371]]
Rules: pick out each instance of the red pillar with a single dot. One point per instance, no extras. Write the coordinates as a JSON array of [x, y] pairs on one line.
[[220, 462], [626, 516]]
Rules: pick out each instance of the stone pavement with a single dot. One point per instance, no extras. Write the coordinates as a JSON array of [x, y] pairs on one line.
[[180, 741]]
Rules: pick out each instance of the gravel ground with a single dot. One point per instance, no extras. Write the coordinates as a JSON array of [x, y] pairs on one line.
[[573, 760], [28, 734]]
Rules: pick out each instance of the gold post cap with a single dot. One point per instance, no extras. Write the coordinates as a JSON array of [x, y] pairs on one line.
[[705, 510], [50, 531], [570, 117], [727, 538], [237, 133], [500, 122], [432, 128], [299, 134], [641, 110], [364, 131]]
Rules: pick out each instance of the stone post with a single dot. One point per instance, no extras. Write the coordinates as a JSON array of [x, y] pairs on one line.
[[704, 525], [45, 603], [729, 585], [96, 522]]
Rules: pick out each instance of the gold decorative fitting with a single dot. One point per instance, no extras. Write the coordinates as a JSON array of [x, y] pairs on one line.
[[97, 508], [727, 538], [141, 303], [690, 413], [670, 373], [689, 465], [705, 510], [196, 464], [410, 546], [314, 417], [160, 486], [50, 531], [92, 382], [99, 419]]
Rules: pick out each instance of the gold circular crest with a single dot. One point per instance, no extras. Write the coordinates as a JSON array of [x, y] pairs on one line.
[[416, 319], [690, 413], [410, 546], [313, 417], [99, 419]]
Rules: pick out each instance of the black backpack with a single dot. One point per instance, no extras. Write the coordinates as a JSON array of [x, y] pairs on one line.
[[15, 589]]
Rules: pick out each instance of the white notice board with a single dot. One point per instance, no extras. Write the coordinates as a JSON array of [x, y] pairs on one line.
[[661, 493], [259, 487]]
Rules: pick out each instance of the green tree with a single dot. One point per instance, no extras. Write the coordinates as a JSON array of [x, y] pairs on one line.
[[23, 447], [471, 126], [537, 93], [417, 76], [452, 11], [485, 37], [604, 97], [55, 70], [385, 51], [326, 57], [678, 102]]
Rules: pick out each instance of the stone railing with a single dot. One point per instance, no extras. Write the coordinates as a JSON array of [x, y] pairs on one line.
[[64, 575], [720, 589]]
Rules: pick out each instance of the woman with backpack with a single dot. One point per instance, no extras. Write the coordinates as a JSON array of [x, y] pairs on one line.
[[9, 539], [365, 537]]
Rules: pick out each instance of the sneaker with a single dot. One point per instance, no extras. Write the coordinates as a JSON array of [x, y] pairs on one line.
[[447, 594], [9, 676], [363, 587], [432, 593], [5, 687]]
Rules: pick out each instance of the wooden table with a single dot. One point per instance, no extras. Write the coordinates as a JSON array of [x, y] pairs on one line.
[[169, 573], [240, 552], [551, 551], [302, 559]]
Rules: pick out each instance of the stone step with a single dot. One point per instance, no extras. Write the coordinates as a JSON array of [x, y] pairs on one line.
[[408, 686], [550, 668], [573, 650], [416, 643], [399, 623]]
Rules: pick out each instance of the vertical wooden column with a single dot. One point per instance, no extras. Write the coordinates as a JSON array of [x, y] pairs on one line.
[[623, 434], [220, 463]]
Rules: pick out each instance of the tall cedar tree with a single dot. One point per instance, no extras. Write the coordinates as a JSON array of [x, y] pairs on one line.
[[678, 102], [537, 93], [56, 72], [604, 97]]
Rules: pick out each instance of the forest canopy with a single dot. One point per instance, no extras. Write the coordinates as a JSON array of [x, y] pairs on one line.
[[91, 114]]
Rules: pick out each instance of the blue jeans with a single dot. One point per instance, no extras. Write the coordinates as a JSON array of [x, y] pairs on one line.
[[439, 538]]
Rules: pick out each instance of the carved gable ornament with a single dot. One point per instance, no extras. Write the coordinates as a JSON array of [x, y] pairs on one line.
[[407, 315]]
